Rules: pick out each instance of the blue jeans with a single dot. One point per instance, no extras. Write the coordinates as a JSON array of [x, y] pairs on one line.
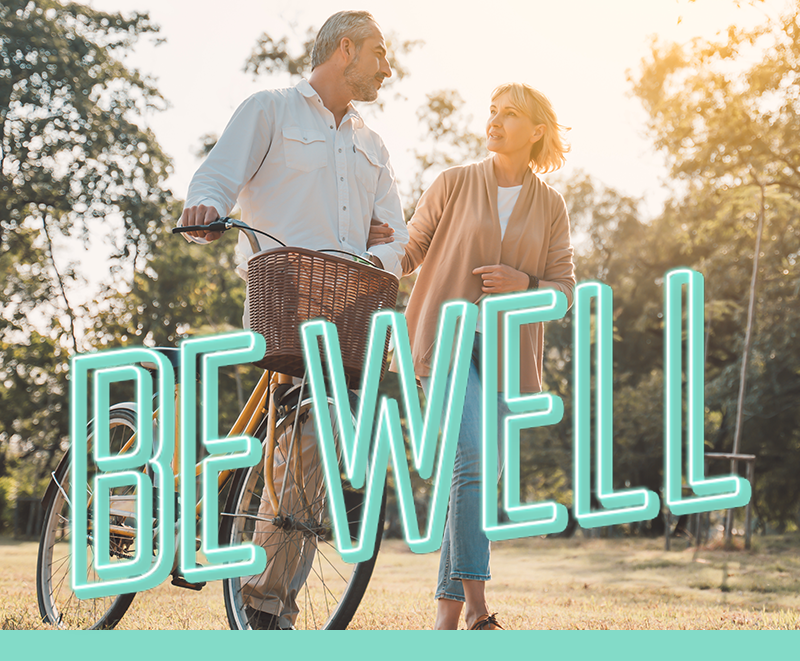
[[465, 547]]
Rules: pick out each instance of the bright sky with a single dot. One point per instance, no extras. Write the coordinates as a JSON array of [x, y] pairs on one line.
[[575, 51]]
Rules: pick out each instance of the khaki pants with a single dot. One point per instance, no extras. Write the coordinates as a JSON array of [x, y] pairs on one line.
[[290, 554]]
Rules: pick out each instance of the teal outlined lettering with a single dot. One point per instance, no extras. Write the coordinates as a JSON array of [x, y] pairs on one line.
[[373, 439], [223, 454], [528, 411], [627, 505], [145, 570], [355, 444], [710, 494]]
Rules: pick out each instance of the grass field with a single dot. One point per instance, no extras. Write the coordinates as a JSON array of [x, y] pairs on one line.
[[538, 584]]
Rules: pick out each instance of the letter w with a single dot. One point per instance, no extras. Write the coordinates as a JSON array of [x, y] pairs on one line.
[[356, 447]]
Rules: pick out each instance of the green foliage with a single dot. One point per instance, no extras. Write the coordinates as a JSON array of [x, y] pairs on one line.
[[184, 289], [726, 114], [72, 149], [34, 419], [71, 146], [726, 110], [446, 132]]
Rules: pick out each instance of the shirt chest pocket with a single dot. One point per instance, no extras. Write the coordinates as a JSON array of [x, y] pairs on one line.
[[368, 168], [304, 149]]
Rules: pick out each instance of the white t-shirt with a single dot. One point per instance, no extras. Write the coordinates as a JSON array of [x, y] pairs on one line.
[[506, 199]]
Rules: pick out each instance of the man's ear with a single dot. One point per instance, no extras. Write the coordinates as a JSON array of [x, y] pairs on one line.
[[347, 49]]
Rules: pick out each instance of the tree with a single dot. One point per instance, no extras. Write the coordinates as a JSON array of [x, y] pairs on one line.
[[726, 113], [73, 154], [72, 149], [446, 128], [182, 290]]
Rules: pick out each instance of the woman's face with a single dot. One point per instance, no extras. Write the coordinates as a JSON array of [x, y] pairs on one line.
[[509, 131]]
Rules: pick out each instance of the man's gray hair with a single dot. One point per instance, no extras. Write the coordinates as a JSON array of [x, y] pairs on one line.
[[355, 25]]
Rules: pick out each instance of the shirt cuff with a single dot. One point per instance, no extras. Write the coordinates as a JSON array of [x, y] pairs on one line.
[[388, 258]]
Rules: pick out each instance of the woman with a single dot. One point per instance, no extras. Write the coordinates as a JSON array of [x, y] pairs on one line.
[[486, 228]]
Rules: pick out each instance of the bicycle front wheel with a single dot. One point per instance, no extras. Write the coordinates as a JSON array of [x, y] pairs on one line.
[[58, 604], [306, 584]]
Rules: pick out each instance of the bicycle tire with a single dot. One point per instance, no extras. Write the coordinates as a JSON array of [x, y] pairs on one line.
[[58, 604], [321, 603]]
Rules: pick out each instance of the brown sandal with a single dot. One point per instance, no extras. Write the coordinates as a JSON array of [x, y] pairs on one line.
[[486, 622]]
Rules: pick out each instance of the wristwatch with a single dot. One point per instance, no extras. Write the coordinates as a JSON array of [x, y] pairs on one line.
[[533, 282]]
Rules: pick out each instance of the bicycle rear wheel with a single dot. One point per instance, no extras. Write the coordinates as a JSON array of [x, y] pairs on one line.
[[307, 585], [58, 604]]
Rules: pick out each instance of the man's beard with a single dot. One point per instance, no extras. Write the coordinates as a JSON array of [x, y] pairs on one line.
[[362, 86]]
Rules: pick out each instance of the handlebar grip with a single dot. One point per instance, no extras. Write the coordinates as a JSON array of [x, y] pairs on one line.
[[213, 226]]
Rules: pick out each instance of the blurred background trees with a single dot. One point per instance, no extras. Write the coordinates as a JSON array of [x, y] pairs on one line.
[[724, 113], [74, 160], [727, 115]]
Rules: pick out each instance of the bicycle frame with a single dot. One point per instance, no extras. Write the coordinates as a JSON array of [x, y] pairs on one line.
[[259, 403]]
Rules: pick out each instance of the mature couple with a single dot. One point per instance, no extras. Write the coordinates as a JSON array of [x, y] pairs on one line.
[[303, 166]]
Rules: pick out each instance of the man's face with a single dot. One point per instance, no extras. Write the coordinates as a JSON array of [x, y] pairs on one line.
[[365, 74]]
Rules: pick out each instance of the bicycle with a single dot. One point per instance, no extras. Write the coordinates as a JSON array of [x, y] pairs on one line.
[[278, 412]]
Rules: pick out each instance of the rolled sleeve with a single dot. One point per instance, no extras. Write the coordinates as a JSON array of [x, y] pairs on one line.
[[423, 224], [388, 209], [560, 267]]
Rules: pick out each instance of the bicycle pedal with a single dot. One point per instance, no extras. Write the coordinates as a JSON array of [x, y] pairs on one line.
[[181, 582]]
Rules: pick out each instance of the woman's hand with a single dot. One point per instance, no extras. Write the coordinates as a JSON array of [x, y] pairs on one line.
[[501, 279], [379, 233]]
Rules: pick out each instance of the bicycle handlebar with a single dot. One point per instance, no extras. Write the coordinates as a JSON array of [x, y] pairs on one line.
[[226, 223], [214, 226]]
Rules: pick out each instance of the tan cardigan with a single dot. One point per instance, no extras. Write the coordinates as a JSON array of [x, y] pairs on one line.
[[456, 229]]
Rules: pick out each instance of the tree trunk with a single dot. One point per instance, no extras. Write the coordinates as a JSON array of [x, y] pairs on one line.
[[748, 339]]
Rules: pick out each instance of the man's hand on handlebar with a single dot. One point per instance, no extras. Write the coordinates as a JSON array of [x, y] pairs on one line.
[[199, 215]]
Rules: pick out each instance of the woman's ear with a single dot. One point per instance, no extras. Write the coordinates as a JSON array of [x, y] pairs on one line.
[[538, 133]]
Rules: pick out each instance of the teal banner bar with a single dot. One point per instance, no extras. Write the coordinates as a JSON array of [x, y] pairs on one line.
[[402, 645]]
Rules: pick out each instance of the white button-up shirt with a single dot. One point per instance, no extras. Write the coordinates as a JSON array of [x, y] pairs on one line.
[[299, 177]]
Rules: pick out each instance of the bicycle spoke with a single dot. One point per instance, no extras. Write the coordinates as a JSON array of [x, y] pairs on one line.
[[320, 585], [58, 602]]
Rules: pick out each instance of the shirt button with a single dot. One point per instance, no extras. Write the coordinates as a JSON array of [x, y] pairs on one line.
[[340, 150], [331, 125], [341, 178], [344, 208]]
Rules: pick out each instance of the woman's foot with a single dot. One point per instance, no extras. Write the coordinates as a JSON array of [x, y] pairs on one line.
[[486, 622]]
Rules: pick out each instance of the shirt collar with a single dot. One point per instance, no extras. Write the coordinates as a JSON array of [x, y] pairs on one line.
[[304, 87], [353, 115]]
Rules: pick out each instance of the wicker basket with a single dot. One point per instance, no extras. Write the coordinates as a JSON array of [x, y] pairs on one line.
[[288, 286]]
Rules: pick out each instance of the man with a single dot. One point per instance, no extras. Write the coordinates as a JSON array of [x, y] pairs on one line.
[[304, 167], [301, 162]]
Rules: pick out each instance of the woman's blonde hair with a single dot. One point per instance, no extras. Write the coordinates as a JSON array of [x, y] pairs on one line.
[[547, 154]]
